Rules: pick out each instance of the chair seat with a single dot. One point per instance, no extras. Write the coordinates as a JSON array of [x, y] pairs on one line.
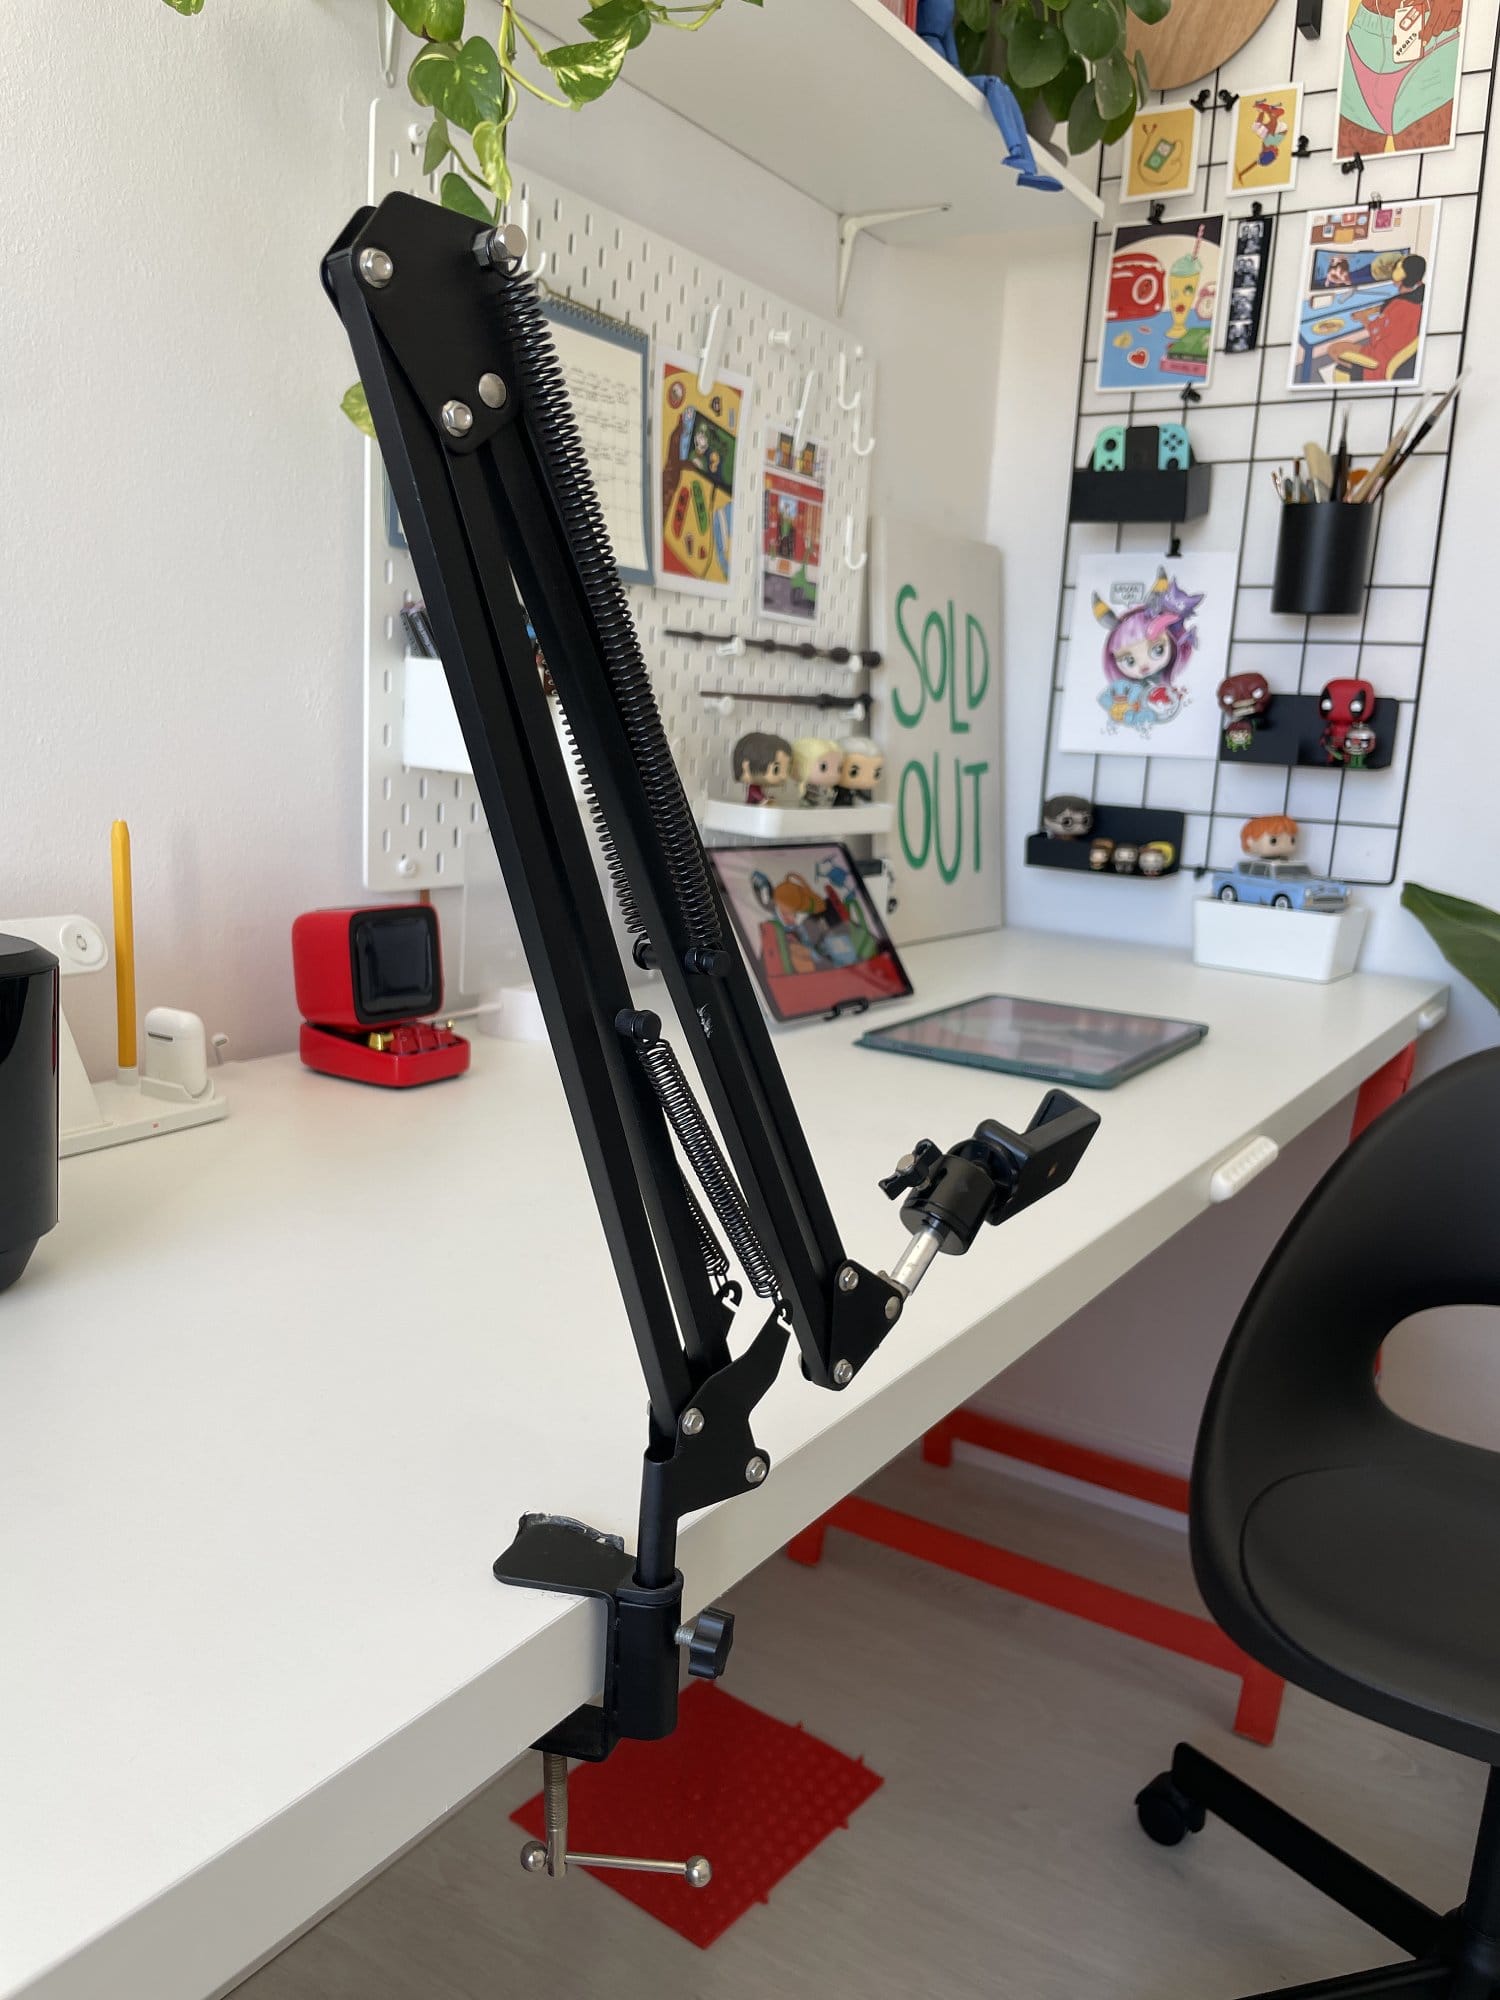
[[1388, 1579]]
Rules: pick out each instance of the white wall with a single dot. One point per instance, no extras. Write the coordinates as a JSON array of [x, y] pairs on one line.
[[181, 497]]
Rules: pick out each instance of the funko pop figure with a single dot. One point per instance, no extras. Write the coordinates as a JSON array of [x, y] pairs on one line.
[[1126, 857], [1067, 817], [1344, 704], [1101, 847], [816, 763], [861, 771], [1243, 699], [1272, 837], [1156, 857], [762, 764], [1360, 745]]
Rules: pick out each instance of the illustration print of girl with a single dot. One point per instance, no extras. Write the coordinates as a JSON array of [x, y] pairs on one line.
[[1146, 651]]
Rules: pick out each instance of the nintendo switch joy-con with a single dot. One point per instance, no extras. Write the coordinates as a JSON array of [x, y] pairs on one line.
[[1109, 449]]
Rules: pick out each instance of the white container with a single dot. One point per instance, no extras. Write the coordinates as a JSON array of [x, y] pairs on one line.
[[794, 822], [1287, 944]]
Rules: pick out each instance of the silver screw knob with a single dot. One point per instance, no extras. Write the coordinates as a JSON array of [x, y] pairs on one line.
[[843, 1373], [376, 268], [692, 1423], [534, 1857], [492, 392], [893, 1308], [848, 1278], [697, 1873], [756, 1470], [458, 419]]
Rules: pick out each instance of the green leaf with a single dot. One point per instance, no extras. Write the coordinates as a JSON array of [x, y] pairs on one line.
[[186, 6], [1114, 88], [585, 70], [1150, 11], [411, 14], [1036, 51], [974, 14], [1467, 934], [437, 20], [466, 84], [1092, 29], [619, 17], [1059, 93], [1142, 77], [1012, 12], [1116, 128], [357, 409], [457, 194], [970, 48], [438, 143], [1085, 126], [489, 149]]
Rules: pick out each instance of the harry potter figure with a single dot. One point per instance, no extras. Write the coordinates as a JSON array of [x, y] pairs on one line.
[[762, 764]]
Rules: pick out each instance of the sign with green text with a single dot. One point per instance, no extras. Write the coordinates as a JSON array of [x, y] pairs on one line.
[[935, 617]]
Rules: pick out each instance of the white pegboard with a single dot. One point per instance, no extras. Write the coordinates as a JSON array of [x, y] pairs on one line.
[[415, 820]]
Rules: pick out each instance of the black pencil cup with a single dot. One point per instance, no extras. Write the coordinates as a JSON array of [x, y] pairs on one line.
[[1323, 557]]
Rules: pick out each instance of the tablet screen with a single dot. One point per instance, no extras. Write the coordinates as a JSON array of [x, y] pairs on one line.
[[1088, 1045]]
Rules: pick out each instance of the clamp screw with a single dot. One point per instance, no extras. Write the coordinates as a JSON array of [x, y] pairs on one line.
[[756, 1470], [843, 1373], [692, 1423], [893, 1309], [697, 1873], [376, 268], [534, 1856], [492, 392], [458, 419], [848, 1278]]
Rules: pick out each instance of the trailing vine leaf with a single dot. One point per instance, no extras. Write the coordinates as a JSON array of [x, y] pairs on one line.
[[357, 409], [456, 193], [1142, 77], [437, 20], [618, 17], [465, 83], [186, 6], [1114, 87], [489, 150], [1059, 93], [1467, 934], [585, 70], [1092, 29], [1036, 51], [1116, 128], [438, 144], [970, 45]]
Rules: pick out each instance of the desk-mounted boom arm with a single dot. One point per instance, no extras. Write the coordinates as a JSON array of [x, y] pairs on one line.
[[499, 511]]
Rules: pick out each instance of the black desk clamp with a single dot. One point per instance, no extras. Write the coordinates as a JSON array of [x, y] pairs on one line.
[[489, 475]]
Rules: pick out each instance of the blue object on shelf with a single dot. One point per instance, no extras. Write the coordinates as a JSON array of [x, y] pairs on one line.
[[935, 20]]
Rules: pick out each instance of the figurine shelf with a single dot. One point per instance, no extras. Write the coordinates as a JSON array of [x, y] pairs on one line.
[[794, 822], [1134, 827], [1140, 496], [1291, 732]]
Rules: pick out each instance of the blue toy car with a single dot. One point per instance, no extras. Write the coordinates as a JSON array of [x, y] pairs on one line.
[[1285, 885]]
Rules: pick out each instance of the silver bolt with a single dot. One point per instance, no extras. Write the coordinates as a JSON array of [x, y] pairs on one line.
[[692, 1423], [848, 1278], [492, 392], [683, 1636], [756, 1470], [505, 245], [458, 419], [376, 268], [893, 1309], [534, 1857], [843, 1373], [697, 1874]]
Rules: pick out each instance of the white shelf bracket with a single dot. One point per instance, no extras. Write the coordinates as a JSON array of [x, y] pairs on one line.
[[852, 227]]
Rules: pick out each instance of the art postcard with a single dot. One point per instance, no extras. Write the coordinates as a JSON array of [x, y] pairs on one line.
[[791, 534], [1161, 153], [1362, 300], [1398, 89], [1149, 646], [699, 433], [1161, 296], [1263, 144]]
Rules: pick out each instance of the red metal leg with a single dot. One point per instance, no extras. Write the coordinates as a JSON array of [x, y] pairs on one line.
[[1379, 1092], [807, 1548], [937, 1444], [1076, 1461], [1260, 1704]]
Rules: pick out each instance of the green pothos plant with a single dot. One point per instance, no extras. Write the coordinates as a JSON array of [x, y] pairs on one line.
[[473, 87], [1068, 55]]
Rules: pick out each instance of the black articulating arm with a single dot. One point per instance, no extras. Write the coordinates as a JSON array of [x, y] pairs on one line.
[[484, 459]]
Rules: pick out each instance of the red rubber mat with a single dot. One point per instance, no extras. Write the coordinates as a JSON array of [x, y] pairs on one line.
[[753, 1794]]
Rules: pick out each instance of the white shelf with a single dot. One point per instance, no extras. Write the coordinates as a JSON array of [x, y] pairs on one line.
[[794, 822], [842, 101]]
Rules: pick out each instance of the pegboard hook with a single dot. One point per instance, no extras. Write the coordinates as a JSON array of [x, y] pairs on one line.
[[851, 561], [388, 36], [708, 359], [799, 427], [524, 269], [847, 402]]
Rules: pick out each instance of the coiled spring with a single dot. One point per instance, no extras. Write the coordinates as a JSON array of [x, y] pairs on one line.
[[708, 1164], [550, 414]]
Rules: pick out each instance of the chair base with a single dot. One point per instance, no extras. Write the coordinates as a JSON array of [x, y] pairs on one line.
[[1452, 1957]]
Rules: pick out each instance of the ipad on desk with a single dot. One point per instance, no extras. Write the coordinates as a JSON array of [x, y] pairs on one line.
[[1037, 1038]]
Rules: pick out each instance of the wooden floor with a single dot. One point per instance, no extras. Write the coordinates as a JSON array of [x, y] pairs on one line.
[[1000, 1858]]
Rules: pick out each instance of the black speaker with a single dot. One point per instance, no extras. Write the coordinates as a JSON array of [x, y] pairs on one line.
[[28, 1102]]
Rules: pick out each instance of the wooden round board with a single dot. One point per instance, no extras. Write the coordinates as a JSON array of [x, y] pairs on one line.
[[1195, 38]]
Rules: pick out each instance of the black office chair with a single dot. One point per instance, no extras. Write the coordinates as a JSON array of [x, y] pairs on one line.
[[1346, 1549]]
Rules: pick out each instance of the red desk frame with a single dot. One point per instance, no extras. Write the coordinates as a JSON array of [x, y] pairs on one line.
[[1182, 1632]]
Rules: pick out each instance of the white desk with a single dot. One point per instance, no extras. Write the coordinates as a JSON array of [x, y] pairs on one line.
[[275, 1392]]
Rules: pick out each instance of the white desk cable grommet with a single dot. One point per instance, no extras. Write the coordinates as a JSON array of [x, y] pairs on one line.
[[1230, 1175]]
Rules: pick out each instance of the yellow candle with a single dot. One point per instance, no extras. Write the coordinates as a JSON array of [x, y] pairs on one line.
[[119, 856]]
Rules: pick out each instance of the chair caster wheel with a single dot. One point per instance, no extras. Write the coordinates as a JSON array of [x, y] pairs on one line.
[[1166, 1813]]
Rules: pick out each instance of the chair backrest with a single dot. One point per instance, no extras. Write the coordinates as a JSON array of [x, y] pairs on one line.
[[1406, 1220]]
